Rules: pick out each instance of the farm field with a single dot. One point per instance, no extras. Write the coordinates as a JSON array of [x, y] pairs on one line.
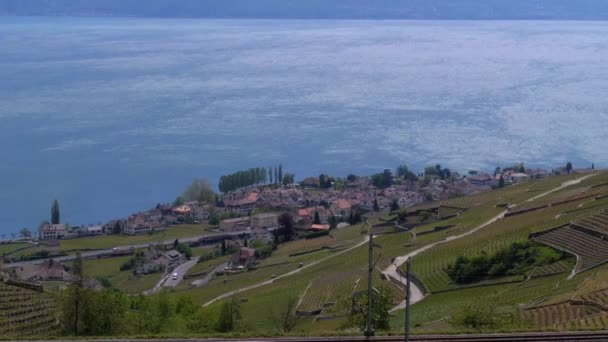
[[590, 249], [26, 312], [122, 280], [430, 266], [110, 241], [6, 248], [305, 245]]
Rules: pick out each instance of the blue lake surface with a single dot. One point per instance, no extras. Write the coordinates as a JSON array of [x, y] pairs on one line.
[[111, 116]]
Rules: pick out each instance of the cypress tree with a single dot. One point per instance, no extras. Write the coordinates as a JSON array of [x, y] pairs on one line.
[[55, 214], [317, 219]]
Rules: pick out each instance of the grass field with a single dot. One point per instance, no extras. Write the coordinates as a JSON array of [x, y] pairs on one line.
[[122, 280], [109, 241], [6, 248]]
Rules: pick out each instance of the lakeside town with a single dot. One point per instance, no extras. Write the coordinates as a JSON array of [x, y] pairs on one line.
[[258, 206], [268, 211]]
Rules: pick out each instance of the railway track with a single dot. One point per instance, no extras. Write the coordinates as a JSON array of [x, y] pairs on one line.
[[521, 337]]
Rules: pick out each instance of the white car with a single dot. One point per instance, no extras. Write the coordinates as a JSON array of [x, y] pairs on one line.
[[175, 275]]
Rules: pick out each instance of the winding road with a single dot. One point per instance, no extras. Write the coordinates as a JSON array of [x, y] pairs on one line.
[[268, 282], [417, 294]]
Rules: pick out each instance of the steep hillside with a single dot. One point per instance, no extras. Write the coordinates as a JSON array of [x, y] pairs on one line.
[[26, 312]]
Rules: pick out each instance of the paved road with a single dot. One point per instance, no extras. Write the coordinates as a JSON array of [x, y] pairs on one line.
[[181, 271], [416, 293], [203, 281]]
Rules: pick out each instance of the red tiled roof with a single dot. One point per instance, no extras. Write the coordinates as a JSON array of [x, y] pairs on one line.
[[319, 227], [342, 204]]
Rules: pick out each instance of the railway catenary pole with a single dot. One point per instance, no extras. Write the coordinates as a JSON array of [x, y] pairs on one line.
[[369, 330], [408, 293]]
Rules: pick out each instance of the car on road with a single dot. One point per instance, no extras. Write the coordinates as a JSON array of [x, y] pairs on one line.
[[175, 275]]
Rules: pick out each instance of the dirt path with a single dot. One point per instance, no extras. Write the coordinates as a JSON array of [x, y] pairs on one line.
[[416, 293], [268, 282]]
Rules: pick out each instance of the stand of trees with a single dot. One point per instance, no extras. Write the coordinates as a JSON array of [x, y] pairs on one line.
[[200, 190], [383, 180], [514, 260], [255, 176]]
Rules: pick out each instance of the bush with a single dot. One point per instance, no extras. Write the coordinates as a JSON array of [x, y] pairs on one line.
[[478, 316], [514, 260]]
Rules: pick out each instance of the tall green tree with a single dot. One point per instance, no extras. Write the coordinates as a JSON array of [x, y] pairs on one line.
[[230, 314], [280, 172], [55, 214], [501, 182], [395, 205], [317, 218], [569, 167], [270, 175], [287, 225], [381, 305], [276, 175]]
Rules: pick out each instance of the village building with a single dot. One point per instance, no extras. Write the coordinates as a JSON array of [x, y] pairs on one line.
[[172, 258], [519, 178], [235, 224], [243, 205], [319, 227], [242, 258], [341, 207], [265, 221], [93, 230], [52, 231], [136, 225], [47, 270], [305, 217], [481, 179], [182, 210]]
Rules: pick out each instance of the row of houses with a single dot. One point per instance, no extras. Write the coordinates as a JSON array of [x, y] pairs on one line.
[[158, 218]]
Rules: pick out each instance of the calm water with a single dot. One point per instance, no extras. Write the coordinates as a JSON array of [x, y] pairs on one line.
[[114, 115]]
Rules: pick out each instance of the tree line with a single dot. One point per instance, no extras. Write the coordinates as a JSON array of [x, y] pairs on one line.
[[255, 176]]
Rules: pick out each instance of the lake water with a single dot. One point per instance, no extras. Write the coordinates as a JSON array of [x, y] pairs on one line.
[[111, 116]]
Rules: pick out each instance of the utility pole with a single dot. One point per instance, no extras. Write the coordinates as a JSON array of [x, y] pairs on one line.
[[408, 293], [369, 330]]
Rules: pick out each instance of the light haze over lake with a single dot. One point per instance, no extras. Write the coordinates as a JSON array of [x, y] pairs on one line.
[[111, 116]]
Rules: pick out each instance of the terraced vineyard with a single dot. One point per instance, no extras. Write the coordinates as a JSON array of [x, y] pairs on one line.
[[510, 194], [25, 312], [552, 316], [600, 297], [326, 290], [597, 223], [304, 245], [561, 266], [591, 250]]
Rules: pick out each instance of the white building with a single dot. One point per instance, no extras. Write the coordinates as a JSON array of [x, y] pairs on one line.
[[52, 231], [519, 178]]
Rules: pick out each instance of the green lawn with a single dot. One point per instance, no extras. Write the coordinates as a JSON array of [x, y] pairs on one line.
[[122, 280], [6, 248], [109, 241]]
